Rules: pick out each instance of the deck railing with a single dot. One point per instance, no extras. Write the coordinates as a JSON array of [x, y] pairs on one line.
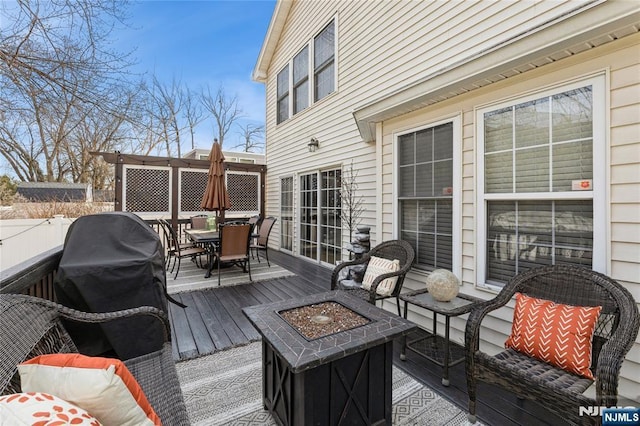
[[36, 275]]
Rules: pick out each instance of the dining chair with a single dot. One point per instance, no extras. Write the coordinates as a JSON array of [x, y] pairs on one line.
[[234, 246], [255, 221], [199, 221], [178, 250], [261, 242]]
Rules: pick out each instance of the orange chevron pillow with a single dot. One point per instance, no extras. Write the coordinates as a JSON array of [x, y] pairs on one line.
[[554, 333]]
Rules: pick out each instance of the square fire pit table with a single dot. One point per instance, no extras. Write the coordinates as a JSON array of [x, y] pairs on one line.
[[339, 375]]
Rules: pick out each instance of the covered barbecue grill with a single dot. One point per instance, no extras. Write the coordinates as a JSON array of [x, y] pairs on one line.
[[113, 261]]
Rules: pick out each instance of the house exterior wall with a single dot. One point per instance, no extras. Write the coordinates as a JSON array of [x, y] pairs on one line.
[[385, 48], [620, 64]]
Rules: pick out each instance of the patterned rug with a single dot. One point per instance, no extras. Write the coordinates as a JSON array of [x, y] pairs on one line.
[[191, 277], [226, 389]]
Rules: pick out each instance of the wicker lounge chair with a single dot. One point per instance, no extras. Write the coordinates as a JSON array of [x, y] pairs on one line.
[[32, 326], [557, 390], [391, 250]]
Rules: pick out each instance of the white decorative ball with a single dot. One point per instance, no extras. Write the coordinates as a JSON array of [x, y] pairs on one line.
[[443, 285]]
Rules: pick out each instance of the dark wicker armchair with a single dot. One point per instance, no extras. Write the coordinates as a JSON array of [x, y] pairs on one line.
[[394, 249], [32, 326], [557, 390]]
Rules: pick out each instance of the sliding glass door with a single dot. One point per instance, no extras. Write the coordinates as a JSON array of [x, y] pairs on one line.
[[320, 210]]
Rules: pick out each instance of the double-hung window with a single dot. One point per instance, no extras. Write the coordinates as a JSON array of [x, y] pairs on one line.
[[301, 81], [426, 194], [312, 68], [541, 182], [283, 95], [324, 62]]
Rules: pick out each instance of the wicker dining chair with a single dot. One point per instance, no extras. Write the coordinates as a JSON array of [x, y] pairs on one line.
[[559, 391], [32, 326], [391, 250]]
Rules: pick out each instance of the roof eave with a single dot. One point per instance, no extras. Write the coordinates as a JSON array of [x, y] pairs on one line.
[[278, 19], [535, 50]]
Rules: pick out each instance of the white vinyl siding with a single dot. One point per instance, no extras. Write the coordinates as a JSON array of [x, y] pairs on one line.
[[385, 47]]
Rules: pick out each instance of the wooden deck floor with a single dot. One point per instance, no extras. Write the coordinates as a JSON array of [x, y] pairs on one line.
[[214, 321]]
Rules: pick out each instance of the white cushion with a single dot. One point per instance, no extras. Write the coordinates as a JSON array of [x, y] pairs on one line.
[[378, 266], [103, 387]]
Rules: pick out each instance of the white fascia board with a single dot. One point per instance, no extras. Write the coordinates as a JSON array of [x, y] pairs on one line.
[[271, 39], [488, 66]]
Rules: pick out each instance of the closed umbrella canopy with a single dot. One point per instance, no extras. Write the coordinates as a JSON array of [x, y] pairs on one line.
[[216, 197]]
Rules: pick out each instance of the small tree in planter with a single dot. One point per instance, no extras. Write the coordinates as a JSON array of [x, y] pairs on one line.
[[351, 209]]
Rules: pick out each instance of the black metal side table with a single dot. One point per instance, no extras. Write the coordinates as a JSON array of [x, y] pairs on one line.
[[436, 348]]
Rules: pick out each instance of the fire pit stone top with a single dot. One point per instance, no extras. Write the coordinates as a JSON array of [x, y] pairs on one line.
[[304, 353]]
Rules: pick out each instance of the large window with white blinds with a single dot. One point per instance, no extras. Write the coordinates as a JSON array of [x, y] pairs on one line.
[[425, 194], [536, 169]]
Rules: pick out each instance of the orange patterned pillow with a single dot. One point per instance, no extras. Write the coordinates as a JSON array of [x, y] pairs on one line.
[[41, 409], [554, 333]]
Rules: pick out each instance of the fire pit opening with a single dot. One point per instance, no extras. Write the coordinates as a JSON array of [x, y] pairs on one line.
[[322, 319]]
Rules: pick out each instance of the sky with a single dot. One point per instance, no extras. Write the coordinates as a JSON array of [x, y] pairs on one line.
[[205, 42]]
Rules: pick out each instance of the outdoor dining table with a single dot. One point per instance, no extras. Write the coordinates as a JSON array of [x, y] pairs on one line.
[[207, 238]]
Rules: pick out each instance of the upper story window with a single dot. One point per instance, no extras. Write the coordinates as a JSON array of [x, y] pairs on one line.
[[313, 67], [426, 195], [283, 94], [323, 62], [540, 173], [301, 81]]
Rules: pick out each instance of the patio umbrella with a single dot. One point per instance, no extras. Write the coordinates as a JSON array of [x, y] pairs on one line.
[[216, 197]]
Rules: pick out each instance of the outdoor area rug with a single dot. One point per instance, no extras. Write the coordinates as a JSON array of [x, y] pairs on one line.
[[191, 277], [226, 389]]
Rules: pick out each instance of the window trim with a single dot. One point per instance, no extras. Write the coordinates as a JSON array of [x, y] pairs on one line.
[[311, 74], [296, 85], [600, 160], [456, 208], [285, 94], [294, 212], [323, 66]]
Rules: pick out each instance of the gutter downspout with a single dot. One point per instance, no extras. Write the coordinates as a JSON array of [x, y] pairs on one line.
[[379, 185]]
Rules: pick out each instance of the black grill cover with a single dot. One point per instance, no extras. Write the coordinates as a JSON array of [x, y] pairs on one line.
[[113, 261]]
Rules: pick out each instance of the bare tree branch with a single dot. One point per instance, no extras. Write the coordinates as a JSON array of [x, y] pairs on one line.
[[252, 137], [224, 110]]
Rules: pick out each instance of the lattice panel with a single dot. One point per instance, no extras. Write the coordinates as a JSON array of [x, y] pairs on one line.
[[192, 187], [244, 192], [147, 190]]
